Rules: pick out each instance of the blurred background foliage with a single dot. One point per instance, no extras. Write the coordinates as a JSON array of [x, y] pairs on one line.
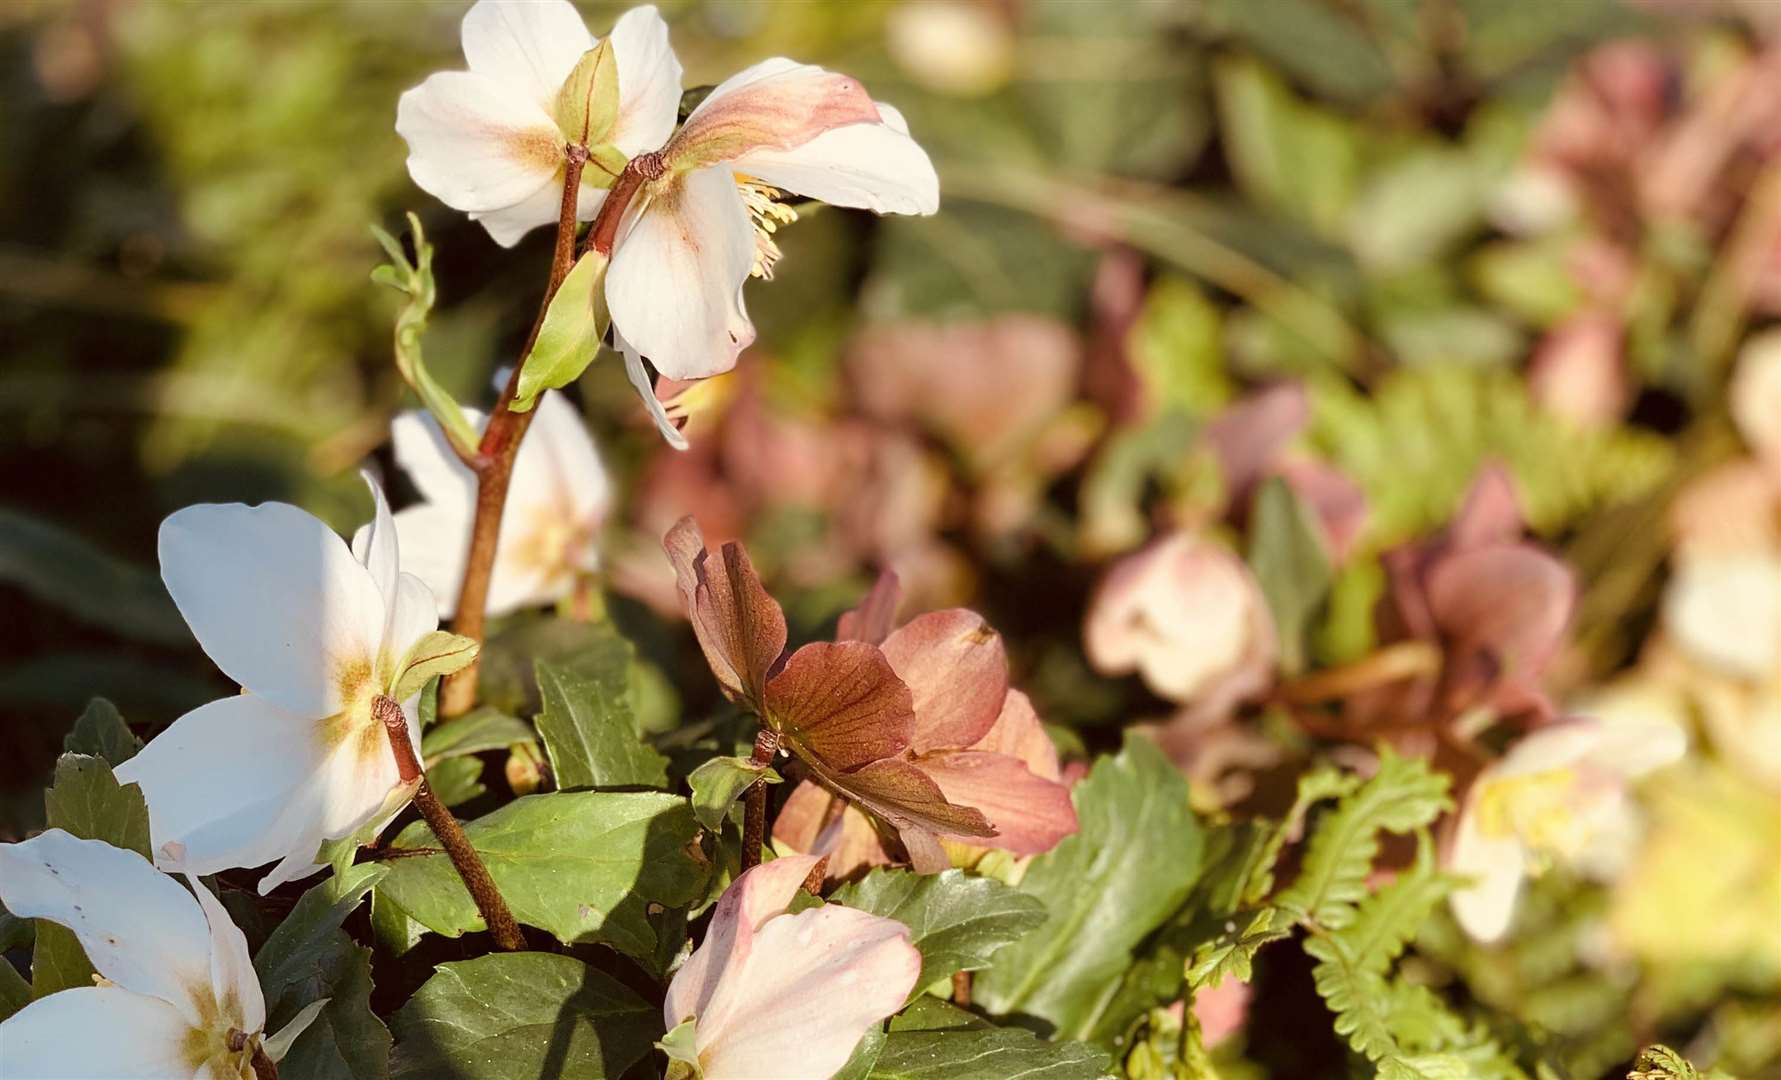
[[1149, 209]]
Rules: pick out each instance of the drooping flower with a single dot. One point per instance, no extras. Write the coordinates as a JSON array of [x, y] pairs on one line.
[[490, 141], [775, 994], [1559, 795], [975, 736], [840, 707], [177, 994], [314, 632], [1188, 616], [557, 501], [702, 228]]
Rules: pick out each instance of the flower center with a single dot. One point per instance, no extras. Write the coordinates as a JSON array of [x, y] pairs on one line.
[[768, 213], [1541, 809], [359, 686]]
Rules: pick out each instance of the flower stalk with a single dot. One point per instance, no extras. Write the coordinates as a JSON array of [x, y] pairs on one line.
[[451, 836], [493, 463], [754, 813]]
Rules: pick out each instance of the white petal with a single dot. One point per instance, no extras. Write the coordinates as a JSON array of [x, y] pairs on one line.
[[753, 898], [424, 454], [871, 166], [677, 276], [1725, 610], [231, 967], [275, 599], [416, 614], [1556, 746], [229, 782], [476, 145], [645, 387], [435, 544], [544, 207], [94, 1031], [378, 552], [140, 929], [800, 1002], [559, 463], [1485, 908], [528, 46], [648, 81]]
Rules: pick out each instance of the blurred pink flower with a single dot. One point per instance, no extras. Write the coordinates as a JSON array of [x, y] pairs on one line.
[[1578, 372], [776, 994]]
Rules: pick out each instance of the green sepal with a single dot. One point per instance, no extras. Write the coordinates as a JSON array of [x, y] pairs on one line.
[[568, 341], [436, 654]]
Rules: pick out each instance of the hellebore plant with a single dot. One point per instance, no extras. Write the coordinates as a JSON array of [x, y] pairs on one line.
[[556, 504], [770, 993], [176, 994], [974, 735], [1561, 794], [841, 708]]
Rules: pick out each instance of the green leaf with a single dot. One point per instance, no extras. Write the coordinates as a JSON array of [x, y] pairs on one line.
[[64, 571], [935, 1041], [520, 1016], [570, 337], [1386, 921], [1402, 796], [957, 921], [589, 731], [15, 992], [1287, 554], [456, 780], [86, 801], [475, 732], [309, 958], [101, 732], [1232, 953], [1288, 155], [436, 654], [718, 783], [583, 865], [1105, 888], [415, 280]]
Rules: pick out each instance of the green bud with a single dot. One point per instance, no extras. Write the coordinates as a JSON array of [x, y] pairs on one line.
[[587, 105], [435, 654]]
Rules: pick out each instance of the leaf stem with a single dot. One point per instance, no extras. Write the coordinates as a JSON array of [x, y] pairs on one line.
[[495, 455], [754, 811], [445, 827], [264, 1067]]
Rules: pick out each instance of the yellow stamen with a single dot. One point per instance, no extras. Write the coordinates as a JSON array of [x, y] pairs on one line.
[[768, 214]]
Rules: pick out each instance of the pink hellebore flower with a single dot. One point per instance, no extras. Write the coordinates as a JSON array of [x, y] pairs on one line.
[[1186, 614], [777, 996], [490, 141], [1559, 794], [975, 736]]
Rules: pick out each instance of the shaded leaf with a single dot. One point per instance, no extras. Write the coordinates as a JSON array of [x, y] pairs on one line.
[[475, 732], [521, 1016], [15, 992], [64, 571], [590, 733], [583, 865], [457, 780], [935, 1041], [957, 921], [1286, 553], [719, 782], [101, 732]]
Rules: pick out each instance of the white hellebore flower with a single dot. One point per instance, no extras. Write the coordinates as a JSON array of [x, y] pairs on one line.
[[556, 503], [1560, 793], [699, 230], [177, 993], [313, 632], [490, 140], [771, 994]]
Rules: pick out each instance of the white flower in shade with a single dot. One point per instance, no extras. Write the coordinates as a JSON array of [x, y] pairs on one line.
[[699, 231], [1561, 794], [489, 141], [314, 632], [1756, 399], [177, 994], [772, 994], [556, 503]]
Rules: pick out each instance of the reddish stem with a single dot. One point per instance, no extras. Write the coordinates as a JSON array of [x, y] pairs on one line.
[[754, 811]]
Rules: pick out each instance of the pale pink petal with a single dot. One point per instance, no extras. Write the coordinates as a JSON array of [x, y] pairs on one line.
[[1247, 437], [648, 81], [477, 145], [528, 46], [1019, 734], [1490, 514], [752, 899], [801, 999], [139, 927], [1513, 601], [95, 1031], [676, 279], [809, 823], [957, 672], [876, 616], [775, 105], [871, 166], [1030, 814], [1555, 746]]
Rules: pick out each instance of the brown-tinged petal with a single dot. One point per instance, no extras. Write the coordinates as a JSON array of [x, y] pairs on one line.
[[1019, 734], [811, 822], [876, 616], [776, 104], [841, 704], [1030, 814], [958, 672], [1248, 436], [1512, 601], [904, 796], [1340, 504], [740, 627], [1490, 513]]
